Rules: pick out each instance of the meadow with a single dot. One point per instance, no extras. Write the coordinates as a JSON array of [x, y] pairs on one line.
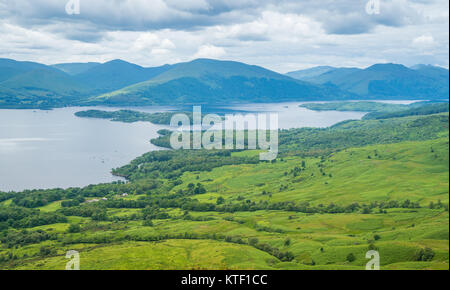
[[314, 208]]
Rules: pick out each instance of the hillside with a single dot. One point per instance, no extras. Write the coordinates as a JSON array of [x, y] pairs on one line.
[[390, 81], [119, 83], [115, 75], [212, 81], [75, 68], [10, 68], [309, 74], [323, 204], [43, 87]]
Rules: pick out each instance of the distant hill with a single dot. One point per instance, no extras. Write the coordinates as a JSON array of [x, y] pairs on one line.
[[75, 68], [213, 81], [337, 76], [116, 74], [10, 68], [391, 81], [120, 83], [43, 87], [308, 74], [431, 71]]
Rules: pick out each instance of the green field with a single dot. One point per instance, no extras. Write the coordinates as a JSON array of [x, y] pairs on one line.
[[316, 209]]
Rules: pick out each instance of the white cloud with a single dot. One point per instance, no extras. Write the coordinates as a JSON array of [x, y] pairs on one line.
[[279, 34], [424, 41], [150, 40], [210, 51]]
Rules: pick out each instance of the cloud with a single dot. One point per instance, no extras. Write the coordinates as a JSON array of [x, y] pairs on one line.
[[424, 41], [151, 40], [138, 15], [278, 34], [210, 51]]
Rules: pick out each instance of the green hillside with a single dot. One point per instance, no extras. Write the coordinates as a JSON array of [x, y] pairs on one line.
[[10, 68], [212, 81], [116, 74], [322, 204], [378, 110], [355, 107], [390, 81], [120, 83], [44, 87]]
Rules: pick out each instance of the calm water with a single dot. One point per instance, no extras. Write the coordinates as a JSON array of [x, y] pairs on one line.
[[48, 149]]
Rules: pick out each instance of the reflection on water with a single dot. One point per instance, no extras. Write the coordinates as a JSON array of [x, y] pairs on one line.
[[47, 149]]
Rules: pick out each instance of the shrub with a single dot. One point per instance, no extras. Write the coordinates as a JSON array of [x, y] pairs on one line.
[[351, 258]]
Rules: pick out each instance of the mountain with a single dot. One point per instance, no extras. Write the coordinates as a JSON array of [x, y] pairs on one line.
[[213, 81], [10, 68], [308, 74], [337, 76], [119, 83], [75, 68], [43, 87], [430, 70], [390, 81], [115, 75], [29, 85]]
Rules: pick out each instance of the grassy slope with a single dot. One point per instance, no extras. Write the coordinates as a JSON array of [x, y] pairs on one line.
[[411, 170]]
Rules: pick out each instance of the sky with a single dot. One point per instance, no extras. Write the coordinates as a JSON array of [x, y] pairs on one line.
[[282, 35]]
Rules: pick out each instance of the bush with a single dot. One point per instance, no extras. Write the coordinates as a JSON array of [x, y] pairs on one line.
[[425, 255], [351, 258], [74, 228], [287, 242]]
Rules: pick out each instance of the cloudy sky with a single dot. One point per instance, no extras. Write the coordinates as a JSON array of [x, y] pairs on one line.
[[282, 35]]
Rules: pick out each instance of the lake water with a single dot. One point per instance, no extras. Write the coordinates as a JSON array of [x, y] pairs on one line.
[[48, 149]]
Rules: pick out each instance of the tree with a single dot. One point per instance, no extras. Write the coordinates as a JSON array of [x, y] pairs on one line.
[[46, 251], [351, 258], [253, 242], [74, 228], [220, 201], [425, 255], [148, 223]]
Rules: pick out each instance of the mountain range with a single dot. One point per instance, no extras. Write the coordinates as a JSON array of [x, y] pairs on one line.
[[380, 81], [119, 83]]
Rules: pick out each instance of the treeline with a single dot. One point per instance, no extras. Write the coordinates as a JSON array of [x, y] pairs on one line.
[[129, 116], [22, 238], [424, 110], [17, 217], [75, 196], [97, 212], [180, 201], [318, 142], [102, 239], [172, 164]]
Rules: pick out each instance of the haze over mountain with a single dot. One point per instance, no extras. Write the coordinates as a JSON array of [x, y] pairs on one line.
[[388, 81], [34, 85], [75, 68], [308, 74], [213, 81], [10, 68], [116, 74]]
